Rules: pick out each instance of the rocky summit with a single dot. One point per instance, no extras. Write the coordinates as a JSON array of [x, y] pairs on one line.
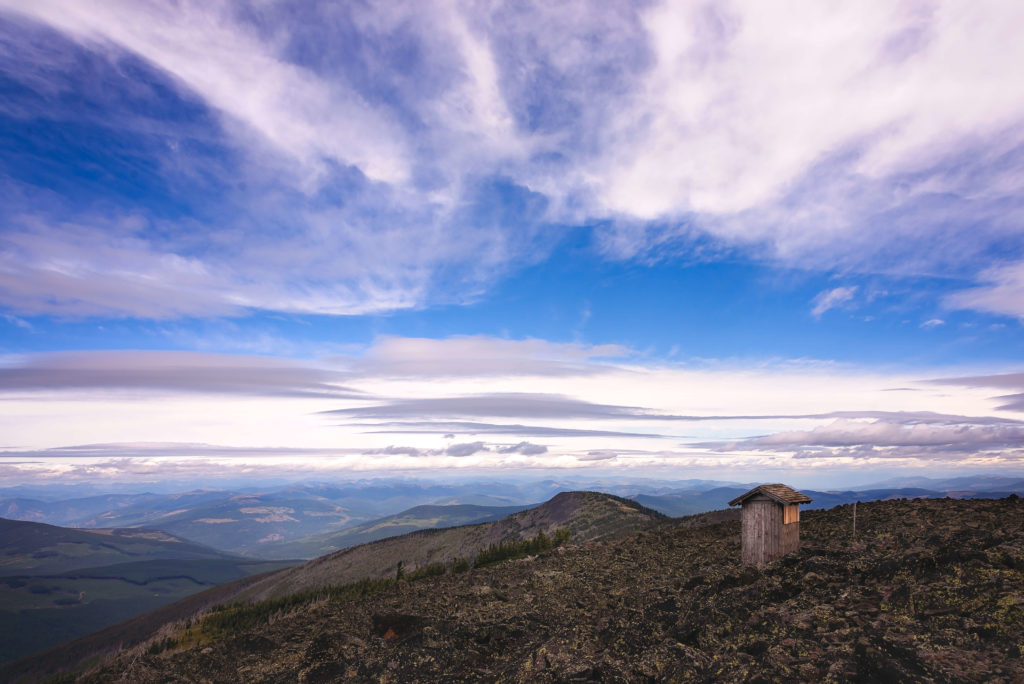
[[927, 590]]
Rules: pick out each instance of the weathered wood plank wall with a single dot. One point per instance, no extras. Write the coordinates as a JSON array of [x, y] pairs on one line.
[[762, 531], [790, 541]]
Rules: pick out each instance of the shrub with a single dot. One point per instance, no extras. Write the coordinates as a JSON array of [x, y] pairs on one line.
[[496, 553], [431, 570], [226, 618]]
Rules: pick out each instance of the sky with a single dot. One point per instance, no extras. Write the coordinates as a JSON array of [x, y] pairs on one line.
[[727, 240]]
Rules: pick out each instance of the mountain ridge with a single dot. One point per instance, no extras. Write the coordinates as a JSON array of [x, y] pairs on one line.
[[591, 516], [928, 590]]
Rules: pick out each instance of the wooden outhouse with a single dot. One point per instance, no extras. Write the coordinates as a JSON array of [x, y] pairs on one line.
[[770, 522]]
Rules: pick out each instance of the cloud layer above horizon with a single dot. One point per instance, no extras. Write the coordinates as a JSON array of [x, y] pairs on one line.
[[410, 154], [242, 414]]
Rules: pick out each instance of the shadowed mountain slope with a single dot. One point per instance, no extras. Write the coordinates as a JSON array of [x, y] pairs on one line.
[[29, 548], [929, 590], [53, 659], [58, 583], [42, 610]]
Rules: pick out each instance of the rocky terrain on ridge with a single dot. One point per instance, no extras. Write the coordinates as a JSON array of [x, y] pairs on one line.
[[929, 590], [591, 516]]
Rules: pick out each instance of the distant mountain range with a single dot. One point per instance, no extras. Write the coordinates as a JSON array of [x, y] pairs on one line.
[[244, 522], [416, 518]]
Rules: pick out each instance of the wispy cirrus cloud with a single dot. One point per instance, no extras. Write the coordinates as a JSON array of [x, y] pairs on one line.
[[788, 157], [1000, 291], [882, 137], [208, 50], [831, 299]]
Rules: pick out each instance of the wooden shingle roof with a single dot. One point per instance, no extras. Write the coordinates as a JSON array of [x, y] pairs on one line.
[[779, 492]]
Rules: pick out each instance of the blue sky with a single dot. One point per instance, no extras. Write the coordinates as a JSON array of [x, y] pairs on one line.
[[779, 243]]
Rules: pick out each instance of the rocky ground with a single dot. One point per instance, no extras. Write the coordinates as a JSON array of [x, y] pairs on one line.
[[929, 590]]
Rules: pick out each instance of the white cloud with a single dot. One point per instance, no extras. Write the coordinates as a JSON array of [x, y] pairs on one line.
[[81, 271], [208, 51], [878, 136], [965, 443], [479, 356], [744, 100], [118, 269], [831, 299], [881, 433], [1001, 292], [933, 323], [17, 322], [163, 407]]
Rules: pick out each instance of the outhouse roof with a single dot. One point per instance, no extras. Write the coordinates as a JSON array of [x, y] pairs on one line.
[[780, 492]]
